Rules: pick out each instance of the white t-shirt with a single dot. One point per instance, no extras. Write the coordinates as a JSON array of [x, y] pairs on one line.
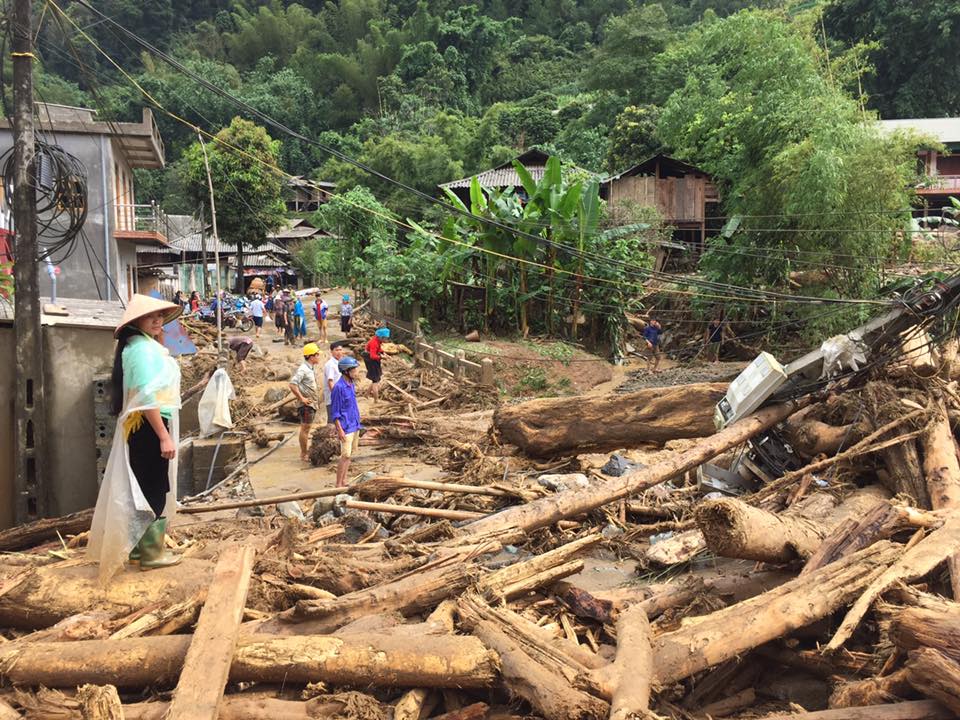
[[331, 371], [256, 308]]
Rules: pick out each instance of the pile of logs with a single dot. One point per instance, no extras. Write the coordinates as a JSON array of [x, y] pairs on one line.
[[832, 591]]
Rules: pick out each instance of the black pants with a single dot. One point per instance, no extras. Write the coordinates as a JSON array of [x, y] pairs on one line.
[[346, 322], [148, 467]]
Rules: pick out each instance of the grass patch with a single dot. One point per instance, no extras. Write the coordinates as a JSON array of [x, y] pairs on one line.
[[555, 350]]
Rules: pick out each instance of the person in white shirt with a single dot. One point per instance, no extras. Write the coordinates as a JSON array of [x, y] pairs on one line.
[[331, 373], [256, 312]]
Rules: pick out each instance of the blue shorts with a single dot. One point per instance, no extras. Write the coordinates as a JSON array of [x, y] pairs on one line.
[[258, 321]]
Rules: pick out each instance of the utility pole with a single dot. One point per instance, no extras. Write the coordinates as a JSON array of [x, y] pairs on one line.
[[216, 251], [30, 501], [203, 253]]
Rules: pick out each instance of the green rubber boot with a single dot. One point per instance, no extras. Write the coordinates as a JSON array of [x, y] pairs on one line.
[[134, 556], [153, 553]]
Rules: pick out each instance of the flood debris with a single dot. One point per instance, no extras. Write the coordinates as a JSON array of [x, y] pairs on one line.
[[817, 580]]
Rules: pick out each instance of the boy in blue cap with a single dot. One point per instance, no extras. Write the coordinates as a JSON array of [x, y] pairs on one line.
[[345, 415]]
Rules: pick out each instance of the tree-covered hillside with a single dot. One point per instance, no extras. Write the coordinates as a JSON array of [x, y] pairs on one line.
[[431, 90]]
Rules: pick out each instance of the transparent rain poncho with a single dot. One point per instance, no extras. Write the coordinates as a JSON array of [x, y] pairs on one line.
[[151, 381]]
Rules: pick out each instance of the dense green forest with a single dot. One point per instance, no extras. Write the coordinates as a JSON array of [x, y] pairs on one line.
[[431, 90], [773, 97]]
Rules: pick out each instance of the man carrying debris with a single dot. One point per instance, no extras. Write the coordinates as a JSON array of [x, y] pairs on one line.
[[346, 415], [303, 385], [331, 375], [651, 335]]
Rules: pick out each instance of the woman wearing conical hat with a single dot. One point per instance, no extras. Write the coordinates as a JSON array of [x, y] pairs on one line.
[[138, 493]]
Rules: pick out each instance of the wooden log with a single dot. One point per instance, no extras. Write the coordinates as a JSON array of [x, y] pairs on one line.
[[732, 528], [7, 712], [941, 469], [632, 667], [99, 702], [164, 620], [911, 710], [35, 532], [519, 575], [549, 510], [207, 666], [811, 437], [743, 626], [243, 707], [441, 513], [411, 705], [374, 659], [530, 668], [871, 691], [725, 706], [916, 562], [935, 675], [551, 426], [414, 592], [54, 592], [293, 497], [914, 628]]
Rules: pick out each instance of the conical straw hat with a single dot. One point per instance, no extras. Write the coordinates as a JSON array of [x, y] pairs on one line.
[[142, 305]]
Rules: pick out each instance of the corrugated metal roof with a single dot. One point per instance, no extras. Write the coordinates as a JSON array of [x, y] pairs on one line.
[[946, 130], [502, 177]]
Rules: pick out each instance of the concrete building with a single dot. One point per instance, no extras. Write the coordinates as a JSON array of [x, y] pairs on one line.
[[78, 348], [115, 224]]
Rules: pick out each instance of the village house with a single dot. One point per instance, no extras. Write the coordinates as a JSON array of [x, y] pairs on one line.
[[115, 224], [684, 195], [306, 196], [939, 171]]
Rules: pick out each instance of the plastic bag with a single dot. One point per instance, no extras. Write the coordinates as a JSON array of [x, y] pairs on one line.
[[122, 513], [842, 352], [213, 411]]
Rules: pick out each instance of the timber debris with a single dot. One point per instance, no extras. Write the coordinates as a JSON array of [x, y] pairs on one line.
[[824, 585]]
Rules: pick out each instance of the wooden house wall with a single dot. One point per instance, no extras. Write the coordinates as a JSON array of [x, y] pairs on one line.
[[676, 199]]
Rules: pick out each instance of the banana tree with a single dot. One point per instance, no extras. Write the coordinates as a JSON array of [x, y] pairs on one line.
[[496, 242], [562, 213]]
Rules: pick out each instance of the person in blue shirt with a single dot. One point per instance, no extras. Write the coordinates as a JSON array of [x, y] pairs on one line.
[[652, 335], [345, 415], [299, 319]]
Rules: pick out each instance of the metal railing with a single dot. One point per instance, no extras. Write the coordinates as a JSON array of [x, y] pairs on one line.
[[142, 218], [941, 182]]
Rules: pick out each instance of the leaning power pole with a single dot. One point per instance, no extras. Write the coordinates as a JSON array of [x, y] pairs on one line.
[[30, 500]]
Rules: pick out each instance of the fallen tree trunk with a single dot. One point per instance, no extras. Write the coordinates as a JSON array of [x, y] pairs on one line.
[[55, 592], [632, 669], [419, 590], [734, 529], [942, 472], [234, 707], [354, 659], [912, 710], [915, 562], [35, 532], [571, 503], [532, 669], [935, 675], [551, 426], [738, 628], [914, 628]]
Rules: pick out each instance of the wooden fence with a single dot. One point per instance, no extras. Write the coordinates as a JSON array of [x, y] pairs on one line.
[[453, 364]]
